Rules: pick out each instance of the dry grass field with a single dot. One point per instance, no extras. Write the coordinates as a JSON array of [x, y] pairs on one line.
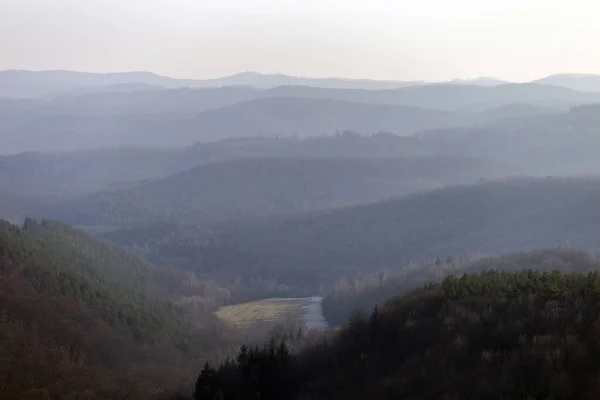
[[265, 314]]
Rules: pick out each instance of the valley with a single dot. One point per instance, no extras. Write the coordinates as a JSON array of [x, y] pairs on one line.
[[276, 241], [267, 314]]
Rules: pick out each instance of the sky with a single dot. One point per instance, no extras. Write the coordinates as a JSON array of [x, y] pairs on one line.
[[517, 40]]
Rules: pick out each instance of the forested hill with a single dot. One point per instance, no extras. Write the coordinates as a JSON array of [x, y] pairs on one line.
[[348, 295], [498, 335], [271, 185], [311, 249], [99, 320], [122, 288]]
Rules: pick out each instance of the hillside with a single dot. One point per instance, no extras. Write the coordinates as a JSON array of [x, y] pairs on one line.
[[268, 81], [557, 144], [311, 117], [266, 186], [581, 82], [307, 250], [23, 84], [64, 175], [61, 175], [195, 100], [450, 96], [495, 335], [136, 118], [303, 117], [346, 295], [98, 320]]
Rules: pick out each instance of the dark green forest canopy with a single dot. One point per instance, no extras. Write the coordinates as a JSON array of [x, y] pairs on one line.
[[363, 293], [496, 335], [122, 288], [99, 320]]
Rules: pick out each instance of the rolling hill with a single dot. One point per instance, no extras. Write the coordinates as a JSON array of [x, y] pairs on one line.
[[80, 316], [172, 117], [560, 143], [310, 249], [30, 84], [445, 96], [581, 82], [268, 117], [494, 335], [22, 84], [266, 186], [348, 295]]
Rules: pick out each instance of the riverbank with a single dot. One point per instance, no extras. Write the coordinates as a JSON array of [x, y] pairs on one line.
[[267, 314]]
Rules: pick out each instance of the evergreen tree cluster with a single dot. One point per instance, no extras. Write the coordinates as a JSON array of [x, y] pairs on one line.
[[255, 373], [80, 319], [494, 335], [64, 260]]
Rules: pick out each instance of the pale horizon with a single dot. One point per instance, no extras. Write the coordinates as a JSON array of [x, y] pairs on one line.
[[430, 41], [298, 76]]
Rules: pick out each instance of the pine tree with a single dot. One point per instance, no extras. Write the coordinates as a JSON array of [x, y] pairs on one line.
[[283, 353], [206, 384]]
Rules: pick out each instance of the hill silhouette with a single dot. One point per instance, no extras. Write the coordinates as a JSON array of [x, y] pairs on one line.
[[22, 83], [581, 82], [270, 117]]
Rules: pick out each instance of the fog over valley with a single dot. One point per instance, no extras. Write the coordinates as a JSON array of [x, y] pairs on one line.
[[299, 200]]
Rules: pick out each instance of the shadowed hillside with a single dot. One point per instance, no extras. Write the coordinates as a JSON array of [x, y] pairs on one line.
[[496, 335], [267, 117], [363, 293], [267, 186], [79, 316], [184, 116], [307, 250]]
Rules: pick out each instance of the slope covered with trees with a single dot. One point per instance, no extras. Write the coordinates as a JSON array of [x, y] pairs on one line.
[[347, 295], [266, 186], [267, 117], [79, 317], [184, 116], [494, 335], [307, 250]]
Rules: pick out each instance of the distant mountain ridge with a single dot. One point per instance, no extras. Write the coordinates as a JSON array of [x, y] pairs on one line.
[[265, 117], [581, 82], [25, 83]]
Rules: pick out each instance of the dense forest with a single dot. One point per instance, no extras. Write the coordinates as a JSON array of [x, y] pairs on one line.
[[494, 335], [114, 118], [347, 295], [102, 323], [300, 252], [168, 238], [270, 185]]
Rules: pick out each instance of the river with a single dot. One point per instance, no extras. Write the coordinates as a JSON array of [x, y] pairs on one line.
[[312, 311]]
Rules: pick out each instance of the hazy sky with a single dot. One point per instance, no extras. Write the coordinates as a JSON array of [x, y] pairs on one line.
[[380, 39]]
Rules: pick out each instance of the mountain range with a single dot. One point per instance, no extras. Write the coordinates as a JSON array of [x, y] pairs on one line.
[[196, 195], [179, 117], [31, 84]]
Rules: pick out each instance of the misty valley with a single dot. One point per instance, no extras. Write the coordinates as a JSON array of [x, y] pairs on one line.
[[271, 237]]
